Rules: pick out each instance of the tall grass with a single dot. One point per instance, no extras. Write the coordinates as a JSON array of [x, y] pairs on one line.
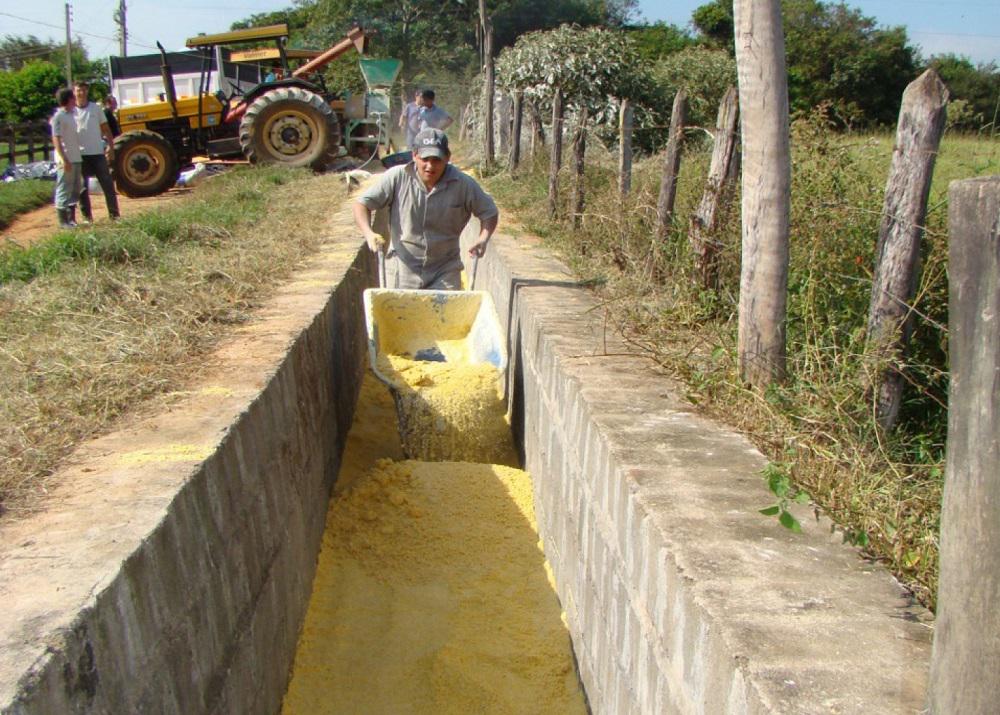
[[95, 321], [818, 427]]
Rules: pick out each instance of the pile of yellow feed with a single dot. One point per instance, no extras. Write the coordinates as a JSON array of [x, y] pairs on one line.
[[432, 593]]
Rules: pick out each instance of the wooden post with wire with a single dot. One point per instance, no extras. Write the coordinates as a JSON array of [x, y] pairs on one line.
[[555, 161]]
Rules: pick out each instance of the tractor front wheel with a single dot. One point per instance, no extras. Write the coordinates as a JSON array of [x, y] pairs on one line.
[[145, 164], [290, 126]]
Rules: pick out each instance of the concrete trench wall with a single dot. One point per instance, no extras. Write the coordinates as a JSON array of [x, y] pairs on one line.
[[680, 598], [171, 571]]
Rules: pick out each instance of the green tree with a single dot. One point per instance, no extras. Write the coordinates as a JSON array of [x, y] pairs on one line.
[[714, 21], [704, 72], [656, 41], [835, 55], [29, 93], [594, 67], [976, 87]]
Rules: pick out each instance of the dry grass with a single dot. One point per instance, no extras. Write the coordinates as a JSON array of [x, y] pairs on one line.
[[108, 318], [818, 428]]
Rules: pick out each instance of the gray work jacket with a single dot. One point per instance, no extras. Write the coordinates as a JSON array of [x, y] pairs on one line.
[[424, 226]]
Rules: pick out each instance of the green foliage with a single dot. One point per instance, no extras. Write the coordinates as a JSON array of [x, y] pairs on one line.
[[714, 21], [705, 73], [29, 93], [659, 40], [835, 55], [592, 66], [297, 18], [18, 197], [33, 70], [779, 481], [974, 91]]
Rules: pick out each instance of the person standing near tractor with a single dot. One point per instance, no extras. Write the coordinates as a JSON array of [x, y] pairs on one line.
[[429, 202], [97, 147], [110, 106], [66, 142], [431, 115], [409, 118]]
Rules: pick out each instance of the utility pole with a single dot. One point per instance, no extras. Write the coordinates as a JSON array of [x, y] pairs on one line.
[[119, 18], [69, 48]]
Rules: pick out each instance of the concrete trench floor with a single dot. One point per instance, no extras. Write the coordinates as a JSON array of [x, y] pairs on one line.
[[186, 592]]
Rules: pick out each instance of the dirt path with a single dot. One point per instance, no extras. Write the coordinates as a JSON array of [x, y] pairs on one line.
[[34, 225]]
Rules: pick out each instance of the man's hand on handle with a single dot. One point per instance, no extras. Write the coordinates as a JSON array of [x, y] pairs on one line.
[[363, 220], [487, 227]]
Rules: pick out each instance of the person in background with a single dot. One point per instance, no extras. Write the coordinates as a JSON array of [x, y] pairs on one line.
[[431, 115], [110, 106], [97, 147], [67, 145], [429, 202], [409, 118]]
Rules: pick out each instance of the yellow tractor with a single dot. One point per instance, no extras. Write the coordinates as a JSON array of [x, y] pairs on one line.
[[292, 121]]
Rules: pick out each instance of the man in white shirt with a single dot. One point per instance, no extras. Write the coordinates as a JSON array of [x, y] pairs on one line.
[[67, 145], [97, 148]]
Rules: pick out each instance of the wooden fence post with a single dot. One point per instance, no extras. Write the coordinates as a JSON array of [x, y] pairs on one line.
[[555, 161], [537, 130], [703, 221], [11, 144], [515, 133], [488, 90], [577, 200], [897, 255], [671, 165], [504, 115], [625, 118], [965, 660], [766, 200]]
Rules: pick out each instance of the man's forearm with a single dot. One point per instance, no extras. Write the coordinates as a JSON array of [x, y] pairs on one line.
[[362, 217], [487, 227]]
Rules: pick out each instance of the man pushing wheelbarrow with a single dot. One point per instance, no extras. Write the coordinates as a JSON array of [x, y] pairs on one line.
[[430, 201]]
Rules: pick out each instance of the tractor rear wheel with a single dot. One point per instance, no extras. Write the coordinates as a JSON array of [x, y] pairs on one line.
[[290, 126], [145, 164]]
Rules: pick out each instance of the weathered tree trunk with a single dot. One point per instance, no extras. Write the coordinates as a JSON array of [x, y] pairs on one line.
[[515, 133], [578, 199], [965, 661], [555, 161], [702, 226], [537, 130], [671, 165], [489, 155], [625, 117], [760, 63], [897, 255]]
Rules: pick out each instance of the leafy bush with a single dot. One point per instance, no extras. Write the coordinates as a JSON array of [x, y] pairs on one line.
[[704, 73]]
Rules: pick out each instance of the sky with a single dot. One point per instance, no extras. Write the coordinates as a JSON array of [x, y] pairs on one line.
[[965, 27]]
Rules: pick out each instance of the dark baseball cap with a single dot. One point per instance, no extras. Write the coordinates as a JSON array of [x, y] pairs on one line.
[[431, 142]]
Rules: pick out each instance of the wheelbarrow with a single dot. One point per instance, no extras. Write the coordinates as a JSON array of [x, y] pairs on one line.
[[456, 326], [432, 325]]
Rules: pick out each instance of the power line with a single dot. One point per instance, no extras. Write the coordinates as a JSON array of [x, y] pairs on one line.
[[76, 32]]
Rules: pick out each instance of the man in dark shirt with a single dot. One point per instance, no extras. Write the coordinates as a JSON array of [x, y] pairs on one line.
[[110, 105]]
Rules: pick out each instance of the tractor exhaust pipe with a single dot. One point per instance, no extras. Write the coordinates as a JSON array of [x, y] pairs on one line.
[[168, 80]]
